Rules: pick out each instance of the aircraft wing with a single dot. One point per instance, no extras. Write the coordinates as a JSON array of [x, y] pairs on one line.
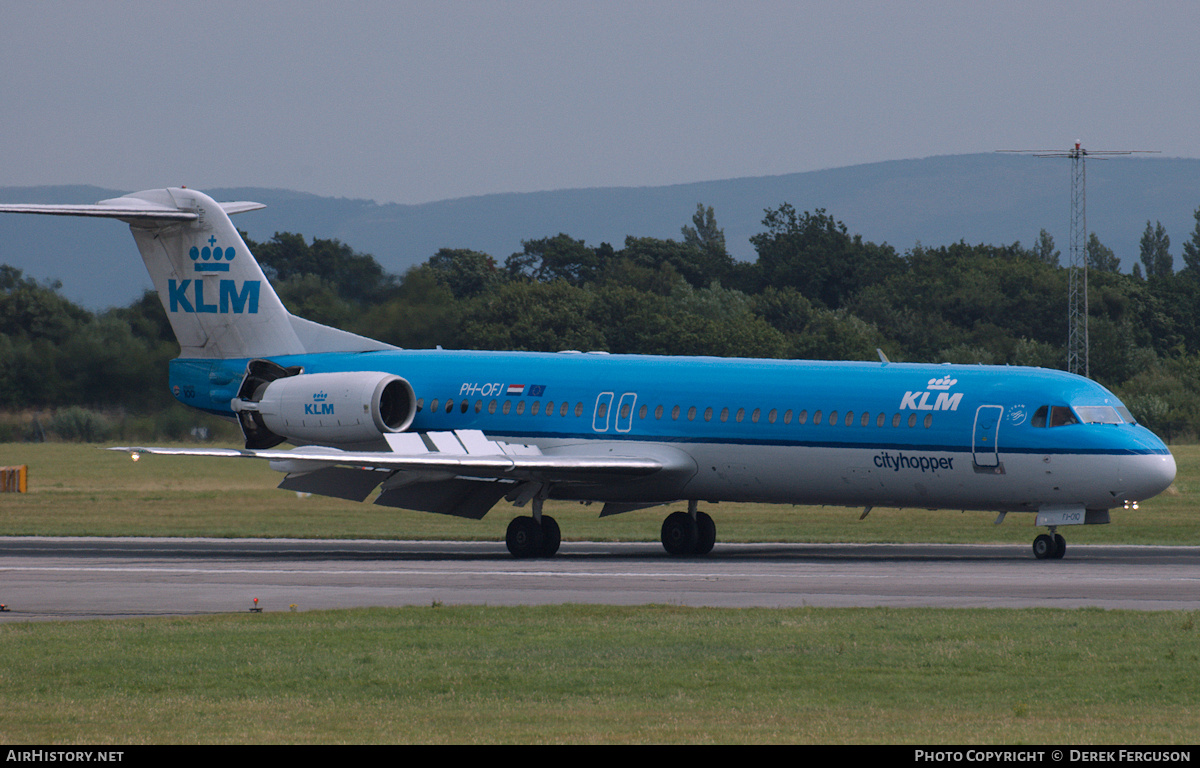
[[460, 473]]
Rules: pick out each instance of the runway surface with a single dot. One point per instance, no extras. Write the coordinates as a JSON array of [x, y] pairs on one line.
[[79, 578]]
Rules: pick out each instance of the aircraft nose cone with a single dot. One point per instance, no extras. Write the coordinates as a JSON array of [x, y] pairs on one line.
[[1149, 475]]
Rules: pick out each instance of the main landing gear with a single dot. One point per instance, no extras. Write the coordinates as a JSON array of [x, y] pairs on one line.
[[683, 533], [1049, 546], [689, 533], [537, 536]]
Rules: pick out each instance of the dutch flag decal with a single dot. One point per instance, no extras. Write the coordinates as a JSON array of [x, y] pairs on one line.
[[515, 390]]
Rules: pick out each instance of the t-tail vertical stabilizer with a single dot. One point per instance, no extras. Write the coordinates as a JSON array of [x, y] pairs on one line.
[[217, 299]]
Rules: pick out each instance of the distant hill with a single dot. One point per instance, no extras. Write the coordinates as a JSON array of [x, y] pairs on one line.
[[985, 198]]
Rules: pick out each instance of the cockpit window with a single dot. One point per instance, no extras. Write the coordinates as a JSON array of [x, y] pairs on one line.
[[1098, 414], [1061, 416], [1053, 416]]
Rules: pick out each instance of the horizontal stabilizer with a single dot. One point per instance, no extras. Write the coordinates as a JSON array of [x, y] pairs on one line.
[[128, 209]]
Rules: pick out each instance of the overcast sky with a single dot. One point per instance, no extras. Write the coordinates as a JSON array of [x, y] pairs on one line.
[[418, 101]]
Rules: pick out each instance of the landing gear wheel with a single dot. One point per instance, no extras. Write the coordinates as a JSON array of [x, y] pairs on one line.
[[1060, 546], [1043, 547], [679, 534], [551, 536], [524, 537], [706, 533]]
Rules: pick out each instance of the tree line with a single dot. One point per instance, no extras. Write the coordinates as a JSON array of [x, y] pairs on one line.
[[814, 291]]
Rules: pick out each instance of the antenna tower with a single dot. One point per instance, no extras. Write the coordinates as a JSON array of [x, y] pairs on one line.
[[1077, 274]]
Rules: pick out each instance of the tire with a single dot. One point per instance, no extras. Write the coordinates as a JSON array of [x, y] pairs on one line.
[[551, 536], [1043, 547], [524, 537], [679, 534], [706, 533], [1060, 546]]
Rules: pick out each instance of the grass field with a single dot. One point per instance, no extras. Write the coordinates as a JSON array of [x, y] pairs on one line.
[[601, 674], [575, 674]]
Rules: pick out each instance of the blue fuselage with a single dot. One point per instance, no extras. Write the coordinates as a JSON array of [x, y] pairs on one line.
[[888, 434]]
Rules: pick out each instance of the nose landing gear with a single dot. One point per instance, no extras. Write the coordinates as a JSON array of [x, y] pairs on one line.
[[1049, 546]]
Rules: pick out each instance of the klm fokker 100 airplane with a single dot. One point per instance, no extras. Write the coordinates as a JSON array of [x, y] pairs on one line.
[[455, 432]]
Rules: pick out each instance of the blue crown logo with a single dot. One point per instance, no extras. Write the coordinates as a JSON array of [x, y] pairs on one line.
[[320, 397], [211, 258]]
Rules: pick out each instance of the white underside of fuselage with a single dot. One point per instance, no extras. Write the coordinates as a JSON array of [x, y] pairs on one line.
[[886, 477]]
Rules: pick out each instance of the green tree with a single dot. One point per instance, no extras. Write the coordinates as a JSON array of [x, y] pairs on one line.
[[1191, 249], [1100, 257], [817, 255], [691, 262], [422, 313], [1044, 251], [353, 276], [1156, 252], [713, 261], [465, 272], [558, 258], [531, 316]]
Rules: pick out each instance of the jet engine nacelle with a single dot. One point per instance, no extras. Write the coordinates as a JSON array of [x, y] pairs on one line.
[[331, 408]]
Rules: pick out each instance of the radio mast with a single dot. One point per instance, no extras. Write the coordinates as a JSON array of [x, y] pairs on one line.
[[1077, 274]]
